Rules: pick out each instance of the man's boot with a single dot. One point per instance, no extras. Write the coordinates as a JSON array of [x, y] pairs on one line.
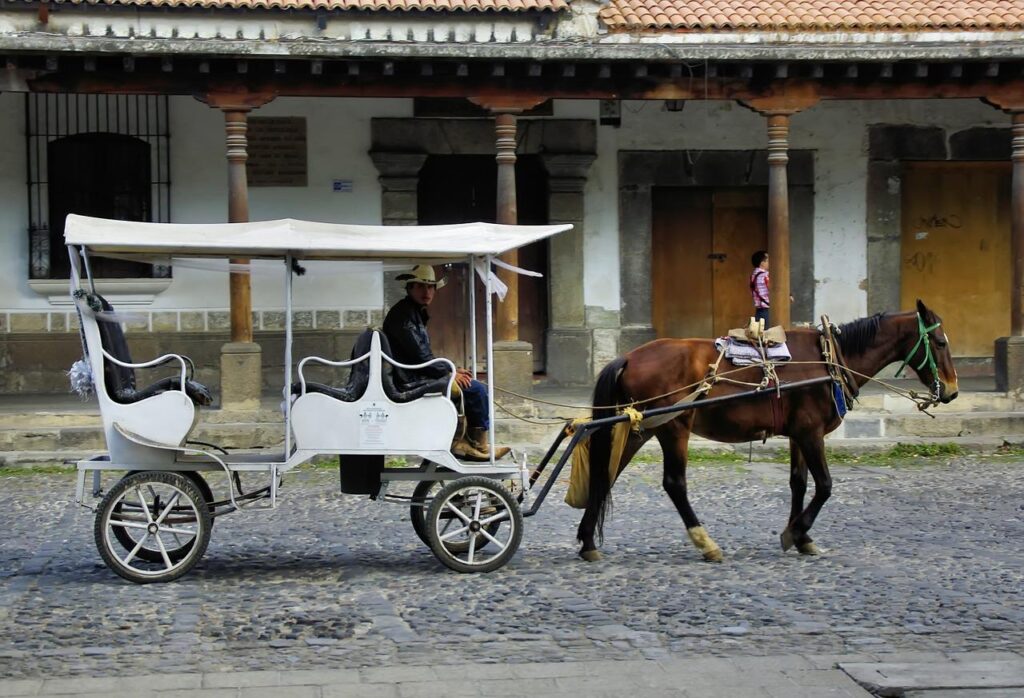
[[464, 449], [480, 438]]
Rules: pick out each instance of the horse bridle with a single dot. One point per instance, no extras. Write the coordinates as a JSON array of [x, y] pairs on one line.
[[924, 337]]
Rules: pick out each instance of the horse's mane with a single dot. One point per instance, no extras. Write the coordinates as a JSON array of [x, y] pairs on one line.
[[856, 336]]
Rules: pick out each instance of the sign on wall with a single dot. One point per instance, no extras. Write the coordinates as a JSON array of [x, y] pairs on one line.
[[277, 151]]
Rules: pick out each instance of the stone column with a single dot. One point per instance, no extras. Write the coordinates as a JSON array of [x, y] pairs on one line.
[[241, 378], [1009, 351], [569, 340], [399, 181]]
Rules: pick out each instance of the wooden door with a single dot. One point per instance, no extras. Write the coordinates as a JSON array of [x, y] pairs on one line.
[[702, 240], [955, 249], [462, 189]]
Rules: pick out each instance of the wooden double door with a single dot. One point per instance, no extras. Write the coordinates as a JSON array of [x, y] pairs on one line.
[[702, 241], [463, 189], [955, 248]]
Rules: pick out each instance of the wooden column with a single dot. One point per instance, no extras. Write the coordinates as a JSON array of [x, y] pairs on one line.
[[778, 217], [241, 358], [238, 212], [507, 316], [777, 110], [236, 105]]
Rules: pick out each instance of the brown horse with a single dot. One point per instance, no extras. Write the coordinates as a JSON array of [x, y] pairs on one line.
[[804, 415]]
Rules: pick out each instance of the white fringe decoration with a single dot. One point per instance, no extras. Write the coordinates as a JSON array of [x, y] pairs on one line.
[[81, 378]]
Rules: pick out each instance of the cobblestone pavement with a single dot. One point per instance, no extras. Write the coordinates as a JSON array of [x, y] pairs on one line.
[[926, 558]]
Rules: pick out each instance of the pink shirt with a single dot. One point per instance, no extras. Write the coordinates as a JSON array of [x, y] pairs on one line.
[[759, 287]]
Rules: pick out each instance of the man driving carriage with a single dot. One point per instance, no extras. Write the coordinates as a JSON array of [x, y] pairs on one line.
[[406, 329]]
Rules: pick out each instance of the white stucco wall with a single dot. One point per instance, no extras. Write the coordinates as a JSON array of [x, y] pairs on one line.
[[338, 132], [338, 138]]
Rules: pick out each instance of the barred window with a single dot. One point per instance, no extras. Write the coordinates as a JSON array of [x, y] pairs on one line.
[[96, 155]]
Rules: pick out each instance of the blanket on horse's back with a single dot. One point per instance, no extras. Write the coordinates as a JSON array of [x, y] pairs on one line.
[[743, 353]]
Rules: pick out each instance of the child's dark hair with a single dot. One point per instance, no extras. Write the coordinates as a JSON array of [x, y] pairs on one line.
[[758, 257]]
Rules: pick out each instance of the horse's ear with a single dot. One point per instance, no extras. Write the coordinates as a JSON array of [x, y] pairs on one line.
[[921, 309]]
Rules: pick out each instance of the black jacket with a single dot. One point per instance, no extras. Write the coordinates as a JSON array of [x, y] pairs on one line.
[[406, 328]]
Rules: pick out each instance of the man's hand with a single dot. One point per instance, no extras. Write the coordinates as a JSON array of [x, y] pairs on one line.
[[463, 377]]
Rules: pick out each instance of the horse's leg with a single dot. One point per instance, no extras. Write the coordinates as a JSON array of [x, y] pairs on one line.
[[813, 450], [674, 438], [588, 524], [798, 489]]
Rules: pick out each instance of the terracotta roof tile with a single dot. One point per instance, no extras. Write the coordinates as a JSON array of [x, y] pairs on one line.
[[381, 5], [809, 15]]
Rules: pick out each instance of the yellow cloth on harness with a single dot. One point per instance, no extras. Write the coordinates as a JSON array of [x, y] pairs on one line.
[[579, 479]]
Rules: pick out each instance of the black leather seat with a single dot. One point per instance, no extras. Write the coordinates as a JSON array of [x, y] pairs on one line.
[[120, 380], [359, 377]]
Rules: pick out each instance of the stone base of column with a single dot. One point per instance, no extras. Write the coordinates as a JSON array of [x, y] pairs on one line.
[[1009, 364], [570, 356], [632, 336], [241, 379], [513, 369]]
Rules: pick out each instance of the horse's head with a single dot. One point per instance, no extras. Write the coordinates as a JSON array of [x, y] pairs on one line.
[[929, 356]]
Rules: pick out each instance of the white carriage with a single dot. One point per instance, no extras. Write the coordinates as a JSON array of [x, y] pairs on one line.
[[154, 523]]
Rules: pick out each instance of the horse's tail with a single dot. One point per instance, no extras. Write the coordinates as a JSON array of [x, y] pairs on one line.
[[605, 395]]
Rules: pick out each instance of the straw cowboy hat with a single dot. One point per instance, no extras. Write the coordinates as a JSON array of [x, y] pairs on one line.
[[422, 274]]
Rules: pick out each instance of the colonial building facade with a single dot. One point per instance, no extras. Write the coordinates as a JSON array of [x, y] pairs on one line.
[[873, 157]]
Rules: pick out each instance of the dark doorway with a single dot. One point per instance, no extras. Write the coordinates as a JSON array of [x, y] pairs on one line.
[[463, 189], [97, 174]]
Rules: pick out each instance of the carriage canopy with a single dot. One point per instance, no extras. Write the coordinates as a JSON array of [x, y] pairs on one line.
[[434, 244]]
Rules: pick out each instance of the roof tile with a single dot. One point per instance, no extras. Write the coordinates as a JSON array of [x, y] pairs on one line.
[[801, 15]]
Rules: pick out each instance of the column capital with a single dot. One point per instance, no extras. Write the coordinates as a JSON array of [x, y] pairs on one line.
[[236, 99], [507, 104], [568, 165], [398, 166], [1009, 98], [783, 104]]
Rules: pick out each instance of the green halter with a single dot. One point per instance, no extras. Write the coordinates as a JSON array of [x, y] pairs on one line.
[[929, 357]]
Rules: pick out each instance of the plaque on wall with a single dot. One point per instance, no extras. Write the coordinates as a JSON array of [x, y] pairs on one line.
[[277, 151]]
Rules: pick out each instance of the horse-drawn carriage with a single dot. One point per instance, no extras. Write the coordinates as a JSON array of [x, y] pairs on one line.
[[154, 523]]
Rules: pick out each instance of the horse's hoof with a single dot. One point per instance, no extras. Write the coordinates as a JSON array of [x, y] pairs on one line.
[[591, 555], [808, 548], [713, 555], [787, 540]]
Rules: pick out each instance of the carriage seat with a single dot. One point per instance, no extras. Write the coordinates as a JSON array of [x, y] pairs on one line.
[[359, 377], [120, 380]]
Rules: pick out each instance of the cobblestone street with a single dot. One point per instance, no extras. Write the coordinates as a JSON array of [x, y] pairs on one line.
[[923, 557]]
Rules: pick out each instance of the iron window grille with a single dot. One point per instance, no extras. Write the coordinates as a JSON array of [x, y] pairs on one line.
[[94, 124]]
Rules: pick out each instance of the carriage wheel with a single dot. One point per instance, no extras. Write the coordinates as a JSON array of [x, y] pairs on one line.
[[176, 544], [161, 512], [479, 507], [421, 498]]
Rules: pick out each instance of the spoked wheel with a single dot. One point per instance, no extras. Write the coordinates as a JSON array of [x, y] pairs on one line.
[[159, 513], [467, 510], [177, 545], [421, 498]]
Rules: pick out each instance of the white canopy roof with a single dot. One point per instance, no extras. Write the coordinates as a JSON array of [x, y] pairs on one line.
[[303, 239]]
